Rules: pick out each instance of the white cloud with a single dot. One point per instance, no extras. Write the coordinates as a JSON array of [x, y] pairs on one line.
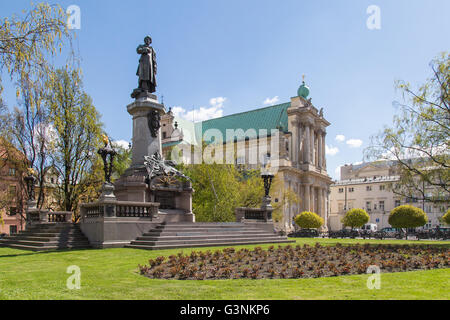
[[271, 101], [354, 143], [203, 113], [330, 150], [337, 173], [340, 138], [122, 143]]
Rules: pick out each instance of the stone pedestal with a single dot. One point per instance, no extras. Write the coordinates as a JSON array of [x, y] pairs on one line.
[[143, 143], [107, 192], [131, 186]]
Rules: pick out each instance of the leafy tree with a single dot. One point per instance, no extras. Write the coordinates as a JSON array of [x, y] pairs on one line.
[[355, 218], [446, 217], [78, 133], [309, 220], [122, 160], [251, 188], [27, 43], [220, 189], [216, 191], [407, 216], [286, 198], [419, 139]]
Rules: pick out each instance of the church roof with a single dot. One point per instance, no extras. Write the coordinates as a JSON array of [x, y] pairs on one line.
[[273, 117]]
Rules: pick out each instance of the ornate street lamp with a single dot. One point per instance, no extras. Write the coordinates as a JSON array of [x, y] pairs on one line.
[[267, 177], [30, 181], [104, 153]]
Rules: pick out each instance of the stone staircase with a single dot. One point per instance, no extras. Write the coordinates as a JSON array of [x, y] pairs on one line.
[[188, 235], [47, 236]]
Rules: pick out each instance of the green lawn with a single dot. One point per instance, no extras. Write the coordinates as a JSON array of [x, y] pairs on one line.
[[112, 274]]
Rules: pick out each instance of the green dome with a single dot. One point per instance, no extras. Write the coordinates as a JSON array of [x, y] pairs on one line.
[[303, 91]]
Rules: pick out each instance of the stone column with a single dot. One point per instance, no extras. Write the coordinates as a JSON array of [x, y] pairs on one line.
[[306, 142], [324, 156], [313, 149], [295, 143], [307, 197], [312, 198], [320, 149], [319, 202], [144, 144], [301, 133]]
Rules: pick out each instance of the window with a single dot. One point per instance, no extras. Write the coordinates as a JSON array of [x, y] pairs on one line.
[[341, 190], [52, 180], [368, 188], [340, 207], [351, 189], [164, 135], [12, 211], [240, 160], [12, 172], [382, 187], [12, 191], [374, 206], [369, 206], [381, 205], [12, 229]]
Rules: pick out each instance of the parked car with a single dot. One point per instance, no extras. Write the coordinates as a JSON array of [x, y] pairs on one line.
[[393, 233], [370, 227], [304, 233]]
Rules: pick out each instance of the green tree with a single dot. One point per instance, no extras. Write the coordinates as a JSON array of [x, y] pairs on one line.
[[286, 198], [446, 217], [216, 191], [355, 218], [309, 220], [407, 216], [78, 133], [419, 138], [28, 43], [251, 188]]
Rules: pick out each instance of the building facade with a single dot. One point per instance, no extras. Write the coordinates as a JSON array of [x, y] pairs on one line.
[[289, 137], [12, 193], [366, 186]]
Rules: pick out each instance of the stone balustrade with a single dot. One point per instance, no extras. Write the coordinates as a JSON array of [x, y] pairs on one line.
[[36, 216], [119, 209], [257, 214]]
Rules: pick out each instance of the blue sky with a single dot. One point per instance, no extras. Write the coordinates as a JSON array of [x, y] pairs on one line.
[[247, 52]]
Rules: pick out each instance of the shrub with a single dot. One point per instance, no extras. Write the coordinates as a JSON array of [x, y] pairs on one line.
[[446, 217], [355, 218], [309, 220], [407, 216]]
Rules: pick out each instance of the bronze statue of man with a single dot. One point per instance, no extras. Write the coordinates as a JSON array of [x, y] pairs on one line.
[[147, 66]]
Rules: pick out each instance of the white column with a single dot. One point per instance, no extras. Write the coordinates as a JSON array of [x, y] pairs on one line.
[[319, 149], [324, 156], [312, 151], [294, 158], [306, 143]]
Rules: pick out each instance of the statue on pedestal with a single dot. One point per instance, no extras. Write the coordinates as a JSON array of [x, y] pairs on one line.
[[146, 71]]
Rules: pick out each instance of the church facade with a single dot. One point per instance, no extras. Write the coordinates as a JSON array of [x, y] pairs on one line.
[[289, 137]]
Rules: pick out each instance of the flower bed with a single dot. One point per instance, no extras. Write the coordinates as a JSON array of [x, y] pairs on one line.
[[295, 262]]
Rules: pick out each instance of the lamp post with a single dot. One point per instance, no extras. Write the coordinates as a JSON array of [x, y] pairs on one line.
[[107, 188], [104, 153], [267, 178], [30, 180]]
